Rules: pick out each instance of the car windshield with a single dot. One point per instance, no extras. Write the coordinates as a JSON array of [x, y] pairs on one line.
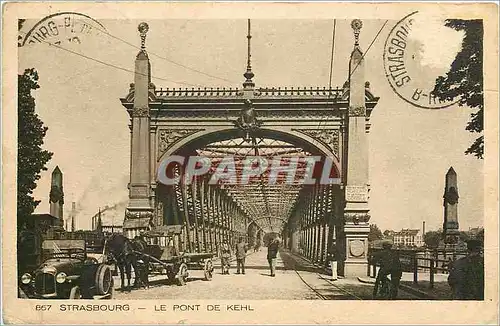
[[58, 248]]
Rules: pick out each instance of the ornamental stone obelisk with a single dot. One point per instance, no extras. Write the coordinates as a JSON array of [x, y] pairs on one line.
[[140, 211], [450, 203], [56, 196], [356, 211]]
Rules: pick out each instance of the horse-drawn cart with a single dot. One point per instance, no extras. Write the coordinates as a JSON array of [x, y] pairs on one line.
[[167, 257]]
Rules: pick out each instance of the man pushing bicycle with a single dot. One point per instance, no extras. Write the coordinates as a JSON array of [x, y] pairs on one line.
[[389, 265]]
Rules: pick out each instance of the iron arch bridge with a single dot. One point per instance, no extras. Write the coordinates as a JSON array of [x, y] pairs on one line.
[[261, 125]]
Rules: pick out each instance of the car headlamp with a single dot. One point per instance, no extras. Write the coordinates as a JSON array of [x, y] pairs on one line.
[[26, 278], [61, 277]]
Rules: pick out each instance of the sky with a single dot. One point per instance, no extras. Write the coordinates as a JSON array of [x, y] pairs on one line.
[[411, 148]]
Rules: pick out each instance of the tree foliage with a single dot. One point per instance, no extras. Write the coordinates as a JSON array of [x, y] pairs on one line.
[[480, 236], [20, 23], [388, 233], [432, 238], [375, 233], [464, 80], [31, 158], [463, 236]]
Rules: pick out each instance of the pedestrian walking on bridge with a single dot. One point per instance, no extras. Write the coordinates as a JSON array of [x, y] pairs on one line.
[[272, 253], [241, 253]]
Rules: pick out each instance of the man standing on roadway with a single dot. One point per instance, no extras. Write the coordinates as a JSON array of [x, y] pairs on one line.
[[241, 252]]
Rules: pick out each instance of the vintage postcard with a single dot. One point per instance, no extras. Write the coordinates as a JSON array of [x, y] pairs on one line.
[[248, 163]]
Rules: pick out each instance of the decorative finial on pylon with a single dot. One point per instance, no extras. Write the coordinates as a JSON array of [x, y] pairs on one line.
[[249, 74], [143, 29], [356, 25]]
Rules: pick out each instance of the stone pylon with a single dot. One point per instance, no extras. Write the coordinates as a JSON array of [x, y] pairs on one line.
[[56, 196], [139, 212], [450, 203], [356, 211]]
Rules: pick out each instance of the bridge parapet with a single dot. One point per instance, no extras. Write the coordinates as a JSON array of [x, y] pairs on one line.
[[263, 92], [332, 93], [198, 92]]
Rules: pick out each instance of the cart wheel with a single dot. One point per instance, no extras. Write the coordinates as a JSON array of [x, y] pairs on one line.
[[182, 275], [209, 269], [75, 293]]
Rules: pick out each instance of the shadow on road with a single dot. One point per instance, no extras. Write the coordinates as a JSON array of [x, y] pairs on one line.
[[266, 267], [265, 274]]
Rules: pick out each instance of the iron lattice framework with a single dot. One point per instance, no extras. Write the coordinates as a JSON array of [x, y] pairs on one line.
[[268, 205]]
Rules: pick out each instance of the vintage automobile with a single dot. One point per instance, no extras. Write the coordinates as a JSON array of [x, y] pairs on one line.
[[67, 272]]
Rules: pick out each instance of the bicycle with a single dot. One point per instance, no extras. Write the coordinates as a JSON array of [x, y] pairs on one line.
[[383, 286]]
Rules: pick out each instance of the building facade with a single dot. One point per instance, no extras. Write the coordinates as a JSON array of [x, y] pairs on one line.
[[408, 238]]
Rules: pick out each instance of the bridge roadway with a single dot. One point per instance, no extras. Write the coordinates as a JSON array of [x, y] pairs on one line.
[[296, 279]]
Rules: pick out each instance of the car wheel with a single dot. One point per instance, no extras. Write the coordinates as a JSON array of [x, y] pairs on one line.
[[111, 291], [22, 294], [103, 279], [75, 293]]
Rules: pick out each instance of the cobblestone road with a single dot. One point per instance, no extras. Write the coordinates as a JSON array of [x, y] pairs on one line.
[[295, 279]]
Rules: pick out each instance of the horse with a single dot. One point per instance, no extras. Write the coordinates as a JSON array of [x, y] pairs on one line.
[[120, 250]]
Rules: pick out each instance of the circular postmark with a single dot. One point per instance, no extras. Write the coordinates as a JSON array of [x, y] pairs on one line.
[[61, 28], [413, 60]]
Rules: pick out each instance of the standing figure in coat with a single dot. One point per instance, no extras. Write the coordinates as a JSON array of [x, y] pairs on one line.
[[225, 257], [241, 252], [272, 253], [466, 277]]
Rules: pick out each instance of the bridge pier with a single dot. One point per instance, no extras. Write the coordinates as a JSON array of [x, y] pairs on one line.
[[139, 212], [356, 212]]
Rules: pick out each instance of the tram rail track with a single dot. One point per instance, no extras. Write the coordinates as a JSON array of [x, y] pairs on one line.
[[317, 291], [295, 266], [301, 264], [322, 297], [339, 288]]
